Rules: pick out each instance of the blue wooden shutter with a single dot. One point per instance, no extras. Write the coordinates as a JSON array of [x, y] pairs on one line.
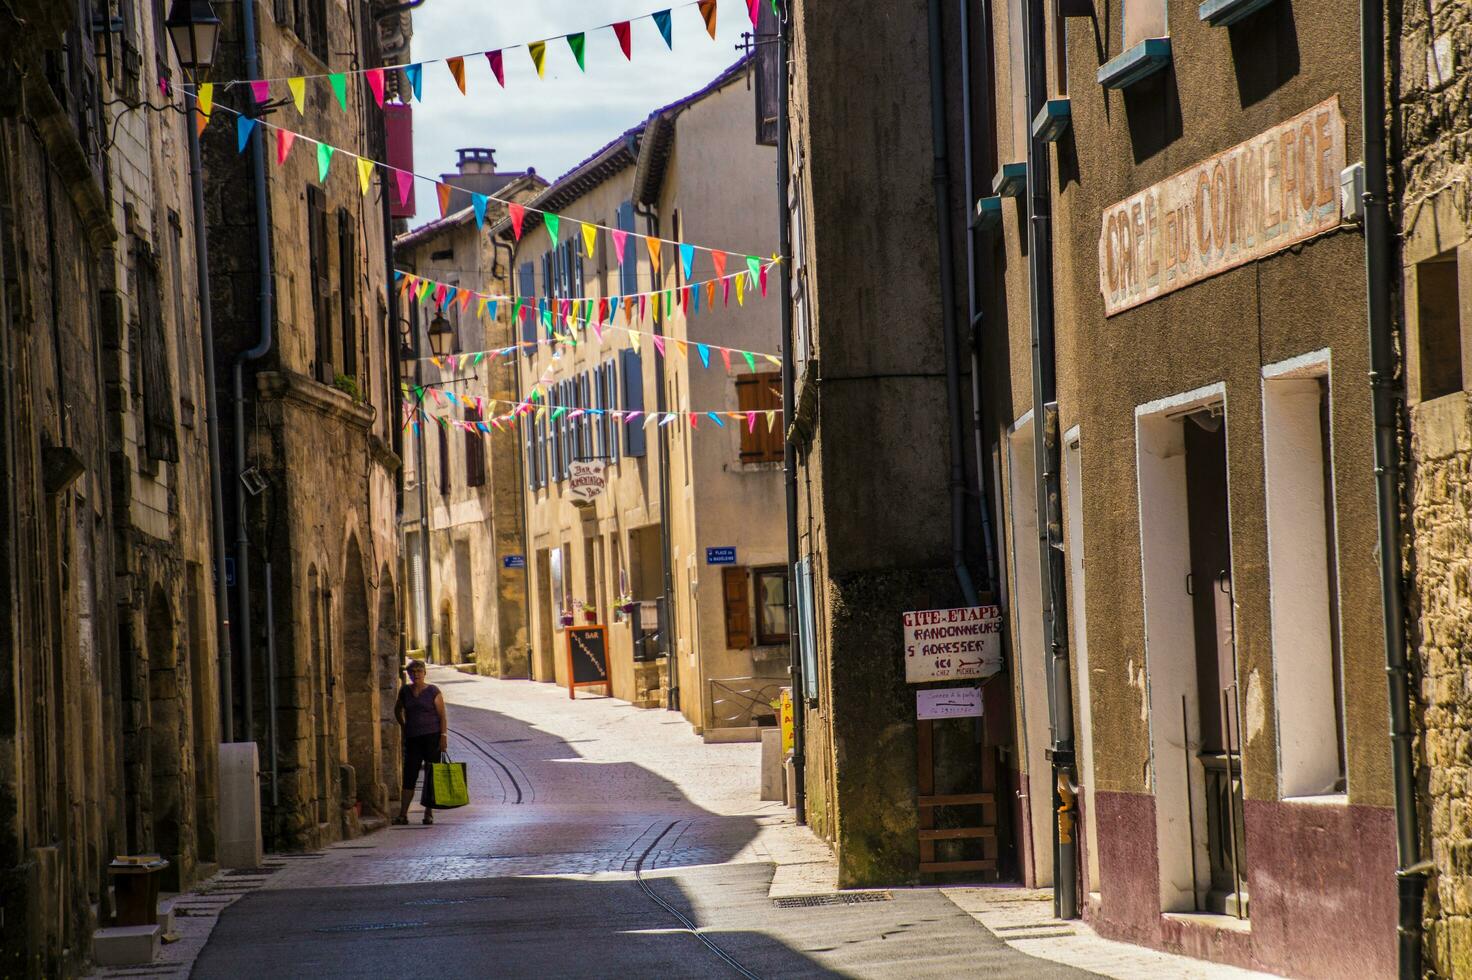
[[628, 273], [527, 291], [633, 372]]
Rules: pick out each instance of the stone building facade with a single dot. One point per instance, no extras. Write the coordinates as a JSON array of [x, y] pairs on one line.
[[471, 606], [1431, 52], [111, 718], [307, 350]]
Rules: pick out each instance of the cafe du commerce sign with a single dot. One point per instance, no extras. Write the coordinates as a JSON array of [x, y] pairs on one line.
[[585, 480], [1259, 197]]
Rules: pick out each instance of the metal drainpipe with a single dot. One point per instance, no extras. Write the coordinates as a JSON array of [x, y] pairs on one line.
[[1410, 873], [651, 224], [941, 181], [212, 415], [789, 411], [262, 347], [1049, 495], [973, 289], [521, 484]]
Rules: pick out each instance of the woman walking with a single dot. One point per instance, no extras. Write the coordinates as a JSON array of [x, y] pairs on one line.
[[420, 712]]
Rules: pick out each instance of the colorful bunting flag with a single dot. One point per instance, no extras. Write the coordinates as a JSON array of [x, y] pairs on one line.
[[243, 126], [753, 264], [625, 38], [415, 75], [324, 161], [375, 84], [206, 98], [719, 259], [404, 179], [260, 91], [653, 244], [538, 51], [498, 66], [284, 139], [517, 214], [444, 191], [590, 238], [479, 202], [619, 238], [339, 83], [687, 258], [298, 87], [750, 360], [754, 8], [578, 42], [704, 353], [662, 21], [365, 173], [553, 224], [457, 69], [708, 11]]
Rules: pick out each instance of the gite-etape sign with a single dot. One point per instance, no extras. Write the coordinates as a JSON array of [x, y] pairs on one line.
[[946, 644]]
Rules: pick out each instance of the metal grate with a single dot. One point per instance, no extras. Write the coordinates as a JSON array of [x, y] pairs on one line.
[[846, 898]]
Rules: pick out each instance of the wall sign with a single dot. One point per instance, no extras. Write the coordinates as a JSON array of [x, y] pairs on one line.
[[948, 644], [1254, 199], [585, 480], [720, 556], [513, 561], [948, 702]]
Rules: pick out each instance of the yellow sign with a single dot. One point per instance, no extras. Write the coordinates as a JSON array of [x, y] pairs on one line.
[[785, 713]]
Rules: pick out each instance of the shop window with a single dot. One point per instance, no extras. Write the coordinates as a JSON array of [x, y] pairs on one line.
[[1439, 327], [760, 393], [769, 585]]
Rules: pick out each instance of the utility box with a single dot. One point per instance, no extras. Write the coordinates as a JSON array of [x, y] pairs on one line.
[[240, 806]]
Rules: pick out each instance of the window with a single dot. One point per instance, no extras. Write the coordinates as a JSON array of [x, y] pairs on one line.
[[311, 26], [770, 589], [760, 393], [475, 450], [159, 437], [527, 290], [347, 256], [738, 608], [321, 285], [444, 462], [1438, 327], [633, 371]]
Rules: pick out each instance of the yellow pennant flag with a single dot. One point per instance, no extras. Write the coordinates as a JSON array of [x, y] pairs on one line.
[[590, 238], [298, 88], [206, 97], [771, 420], [634, 341], [653, 244], [740, 290], [538, 51], [365, 173], [684, 351]]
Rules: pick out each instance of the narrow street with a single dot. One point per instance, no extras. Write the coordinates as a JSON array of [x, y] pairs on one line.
[[604, 840]]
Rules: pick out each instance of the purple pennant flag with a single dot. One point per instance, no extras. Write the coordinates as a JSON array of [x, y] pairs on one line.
[[261, 91]]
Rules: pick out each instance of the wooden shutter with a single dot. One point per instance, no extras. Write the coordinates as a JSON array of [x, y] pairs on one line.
[[159, 433], [748, 399], [634, 435], [321, 287], [444, 462], [347, 255], [770, 395], [527, 290], [738, 608], [475, 451]]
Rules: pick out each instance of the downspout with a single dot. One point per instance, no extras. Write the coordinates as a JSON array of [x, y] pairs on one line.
[[941, 181], [521, 475], [1410, 872], [263, 345], [989, 583], [1049, 494], [651, 224], [789, 404]]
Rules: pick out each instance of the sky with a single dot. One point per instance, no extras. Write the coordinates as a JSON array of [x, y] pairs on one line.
[[554, 122]]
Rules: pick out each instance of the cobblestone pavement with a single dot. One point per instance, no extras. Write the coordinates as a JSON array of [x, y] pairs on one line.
[[574, 802]]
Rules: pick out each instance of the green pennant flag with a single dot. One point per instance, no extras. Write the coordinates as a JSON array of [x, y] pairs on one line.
[[557, 412], [754, 264], [324, 161], [553, 223], [418, 394], [339, 84], [578, 42], [479, 357], [750, 361]]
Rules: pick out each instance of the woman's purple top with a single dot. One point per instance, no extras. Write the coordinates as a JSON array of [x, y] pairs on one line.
[[420, 716]]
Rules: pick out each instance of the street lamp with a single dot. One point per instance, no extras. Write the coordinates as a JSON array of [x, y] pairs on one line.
[[441, 335], [194, 30]]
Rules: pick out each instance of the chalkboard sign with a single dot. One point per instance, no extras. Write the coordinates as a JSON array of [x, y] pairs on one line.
[[587, 658]]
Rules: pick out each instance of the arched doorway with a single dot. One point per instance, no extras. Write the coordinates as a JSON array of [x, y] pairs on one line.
[[166, 737], [360, 680], [388, 655]]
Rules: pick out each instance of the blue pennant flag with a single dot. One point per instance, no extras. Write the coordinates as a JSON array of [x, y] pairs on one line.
[[492, 308], [687, 258], [243, 127], [662, 21], [479, 201], [415, 75], [450, 292], [704, 350], [716, 419]]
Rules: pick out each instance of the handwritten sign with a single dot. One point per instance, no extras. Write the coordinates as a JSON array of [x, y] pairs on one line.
[[585, 480], [587, 658], [949, 644], [948, 702], [1259, 197]]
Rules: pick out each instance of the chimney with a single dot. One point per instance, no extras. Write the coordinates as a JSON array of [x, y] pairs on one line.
[[477, 160]]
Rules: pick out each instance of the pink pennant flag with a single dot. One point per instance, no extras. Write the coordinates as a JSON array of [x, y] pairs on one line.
[[439, 294], [750, 421], [375, 83], [619, 238], [284, 139], [260, 91], [753, 7], [764, 280], [658, 343], [694, 420], [643, 305], [726, 356], [725, 292], [498, 67], [405, 181]]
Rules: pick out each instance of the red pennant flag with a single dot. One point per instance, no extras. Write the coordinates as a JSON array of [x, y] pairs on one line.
[[465, 297], [517, 213], [497, 66], [284, 138], [725, 292], [444, 192], [685, 301], [622, 30], [726, 356], [375, 82], [754, 8], [719, 258], [602, 309], [694, 420], [708, 11], [643, 305], [764, 280], [457, 68]]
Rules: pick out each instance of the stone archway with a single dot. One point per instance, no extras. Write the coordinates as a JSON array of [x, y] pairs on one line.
[[360, 680], [389, 658], [166, 736]]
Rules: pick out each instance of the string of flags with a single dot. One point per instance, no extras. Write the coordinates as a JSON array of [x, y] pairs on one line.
[[577, 44], [538, 409], [516, 212]]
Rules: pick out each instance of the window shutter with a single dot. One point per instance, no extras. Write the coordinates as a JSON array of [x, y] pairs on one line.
[[159, 432], [444, 462], [527, 291], [475, 451], [347, 254], [748, 399], [628, 272], [634, 434], [321, 286], [738, 608]]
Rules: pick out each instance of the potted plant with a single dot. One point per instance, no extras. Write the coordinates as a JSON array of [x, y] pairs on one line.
[[626, 604], [590, 613], [565, 618]]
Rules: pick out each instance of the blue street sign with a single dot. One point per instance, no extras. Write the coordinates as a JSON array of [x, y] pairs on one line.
[[720, 556], [229, 572], [513, 561]]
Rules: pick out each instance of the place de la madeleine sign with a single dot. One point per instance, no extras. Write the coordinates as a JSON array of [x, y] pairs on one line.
[[1257, 198]]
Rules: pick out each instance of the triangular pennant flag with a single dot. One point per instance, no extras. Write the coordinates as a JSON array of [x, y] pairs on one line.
[[339, 83], [243, 126], [710, 294], [201, 120], [619, 238], [415, 74], [763, 279], [684, 350], [444, 191], [479, 202], [465, 297], [553, 225], [480, 311], [517, 214], [704, 353], [365, 173], [578, 42], [498, 67], [375, 84], [725, 292], [687, 258], [634, 341], [740, 290], [538, 51], [662, 21], [774, 359], [457, 69], [754, 8], [726, 356], [716, 419], [324, 161], [298, 88], [206, 98], [771, 420], [260, 91], [439, 294], [750, 361], [694, 420], [643, 305], [284, 139], [590, 239], [405, 181], [708, 11], [693, 292], [750, 421], [718, 258], [754, 265], [668, 418], [625, 40], [653, 244], [658, 343]]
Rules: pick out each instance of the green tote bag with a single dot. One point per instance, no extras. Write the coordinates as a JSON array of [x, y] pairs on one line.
[[445, 787]]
